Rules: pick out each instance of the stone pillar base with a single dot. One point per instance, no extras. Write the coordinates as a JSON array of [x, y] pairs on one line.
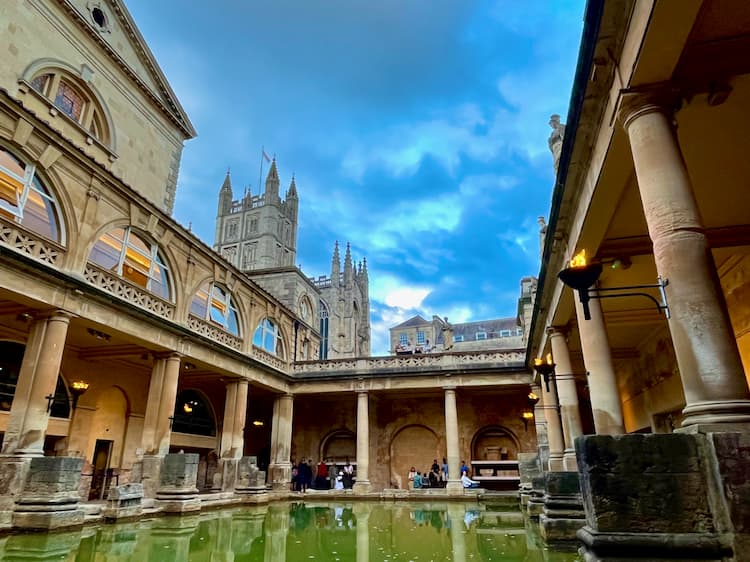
[[454, 488], [563, 513], [280, 476], [535, 505], [50, 495], [177, 491], [228, 471], [124, 502], [150, 474], [528, 467], [653, 547], [13, 471], [362, 487], [569, 461]]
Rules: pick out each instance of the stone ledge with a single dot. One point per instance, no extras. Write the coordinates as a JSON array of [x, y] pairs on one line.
[[649, 546]]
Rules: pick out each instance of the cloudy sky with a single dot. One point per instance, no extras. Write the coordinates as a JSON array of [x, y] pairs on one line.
[[417, 130]]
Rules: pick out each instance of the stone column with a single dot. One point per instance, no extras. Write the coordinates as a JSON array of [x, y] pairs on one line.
[[232, 433], [280, 468], [554, 427], [157, 425], [454, 485], [362, 485], [711, 371], [37, 379], [540, 425], [605, 396], [567, 397]]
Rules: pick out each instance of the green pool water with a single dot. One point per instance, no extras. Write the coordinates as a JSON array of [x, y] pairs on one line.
[[319, 531]]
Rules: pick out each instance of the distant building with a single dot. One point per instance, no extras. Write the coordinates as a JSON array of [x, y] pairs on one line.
[[423, 336]]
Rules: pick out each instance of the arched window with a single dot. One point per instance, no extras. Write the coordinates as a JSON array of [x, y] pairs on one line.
[[323, 354], [268, 337], [24, 198], [214, 304], [193, 414], [126, 253], [73, 99]]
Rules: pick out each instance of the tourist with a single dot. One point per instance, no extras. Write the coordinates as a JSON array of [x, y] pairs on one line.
[[294, 476], [302, 481], [468, 482], [434, 476], [339, 485], [348, 474], [417, 480], [443, 478], [445, 468], [435, 466], [321, 479], [412, 474], [464, 468]]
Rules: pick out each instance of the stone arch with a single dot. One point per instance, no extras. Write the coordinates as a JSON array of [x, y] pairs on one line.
[[337, 445], [236, 299], [59, 66], [110, 421], [495, 442], [413, 445], [194, 413]]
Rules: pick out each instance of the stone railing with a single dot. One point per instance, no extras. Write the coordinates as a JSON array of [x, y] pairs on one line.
[[214, 332], [269, 359], [128, 292], [29, 243], [417, 363]]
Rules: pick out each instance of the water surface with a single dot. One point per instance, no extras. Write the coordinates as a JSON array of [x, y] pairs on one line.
[[291, 532]]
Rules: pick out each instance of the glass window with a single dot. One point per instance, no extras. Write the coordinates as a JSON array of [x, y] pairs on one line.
[[420, 338], [323, 352], [403, 339], [267, 337], [69, 101], [458, 338], [40, 83], [218, 309], [125, 253], [481, 336], [25, 199], [193, 414], [504, 333]]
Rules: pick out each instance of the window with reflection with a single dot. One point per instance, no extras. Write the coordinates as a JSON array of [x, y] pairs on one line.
[[193, 414], [268, 337], [214, 304], [25, 199], [130, 256], [323, 352], [71, 97]]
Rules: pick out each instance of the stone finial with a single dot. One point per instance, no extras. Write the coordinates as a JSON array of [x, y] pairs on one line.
[[292, 189], [556, 137]]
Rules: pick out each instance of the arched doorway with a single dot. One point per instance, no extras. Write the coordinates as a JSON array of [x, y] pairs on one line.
[[413, 445], [494, 443], [107, 432], [338, 446]]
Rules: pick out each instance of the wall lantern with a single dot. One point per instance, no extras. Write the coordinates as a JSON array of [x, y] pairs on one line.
[[78, 389], [258, 423], [580, 275], [526, 416], [545, 368]]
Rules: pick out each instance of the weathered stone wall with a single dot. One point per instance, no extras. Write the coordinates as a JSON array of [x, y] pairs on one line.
[[735, 281]]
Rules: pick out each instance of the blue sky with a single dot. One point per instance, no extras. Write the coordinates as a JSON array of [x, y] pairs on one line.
[[417, 130]]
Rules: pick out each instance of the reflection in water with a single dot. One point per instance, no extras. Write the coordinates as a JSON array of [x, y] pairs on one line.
[[329, 532]]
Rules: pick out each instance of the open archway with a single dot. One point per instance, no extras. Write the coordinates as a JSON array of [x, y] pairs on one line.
[[413, 445], [494, 442], [338, 446]]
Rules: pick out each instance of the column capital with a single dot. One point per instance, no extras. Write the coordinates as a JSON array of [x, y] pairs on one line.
[[553, 331], [450, 388], [663, 97], [361, 392], [168, 355], [58, 315]]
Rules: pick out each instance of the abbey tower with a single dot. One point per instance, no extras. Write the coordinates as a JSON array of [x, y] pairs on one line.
[[258, 234]]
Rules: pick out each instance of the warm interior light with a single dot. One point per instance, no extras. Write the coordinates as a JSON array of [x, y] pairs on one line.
[[527, 415], [579, 260], [549, 359], [188, 408], [537, 361], [258, 423], [80, 385], [533, 396]]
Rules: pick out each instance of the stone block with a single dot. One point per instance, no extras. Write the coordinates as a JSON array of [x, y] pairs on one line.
[[250, 480], [177, 492], [563, 513], [650, 483], [124, 501], [49, 499], [732, 451]]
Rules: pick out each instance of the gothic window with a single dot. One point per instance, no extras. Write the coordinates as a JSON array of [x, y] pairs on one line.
[[193, 414], [71, 98], [214, 304], [323, 354], [252, 225], [231, 229], [305, 308], [24, 198], [268, 337], [248, 256], [130, 256], [229, 253]]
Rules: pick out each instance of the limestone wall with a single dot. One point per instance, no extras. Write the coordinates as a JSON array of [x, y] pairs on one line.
[[735, 280]]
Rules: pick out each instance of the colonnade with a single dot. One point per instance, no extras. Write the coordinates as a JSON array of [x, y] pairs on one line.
[[711, 373]]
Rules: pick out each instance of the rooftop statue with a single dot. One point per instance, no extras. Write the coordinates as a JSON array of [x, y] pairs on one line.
[[556, 138]]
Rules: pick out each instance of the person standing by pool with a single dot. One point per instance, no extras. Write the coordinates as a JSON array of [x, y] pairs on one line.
[[412, 474], [417, 480]]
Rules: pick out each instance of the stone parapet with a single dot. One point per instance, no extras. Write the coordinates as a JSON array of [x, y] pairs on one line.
[[49, 499]]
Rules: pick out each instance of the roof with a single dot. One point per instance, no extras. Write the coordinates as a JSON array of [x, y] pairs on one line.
[[413, 321], [469, 329]]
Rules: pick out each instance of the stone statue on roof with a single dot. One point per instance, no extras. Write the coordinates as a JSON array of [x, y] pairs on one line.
[[556, 138]]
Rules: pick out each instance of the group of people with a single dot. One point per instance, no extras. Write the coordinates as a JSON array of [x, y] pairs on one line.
[[437, 477], [324, 478], [409, 349]]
